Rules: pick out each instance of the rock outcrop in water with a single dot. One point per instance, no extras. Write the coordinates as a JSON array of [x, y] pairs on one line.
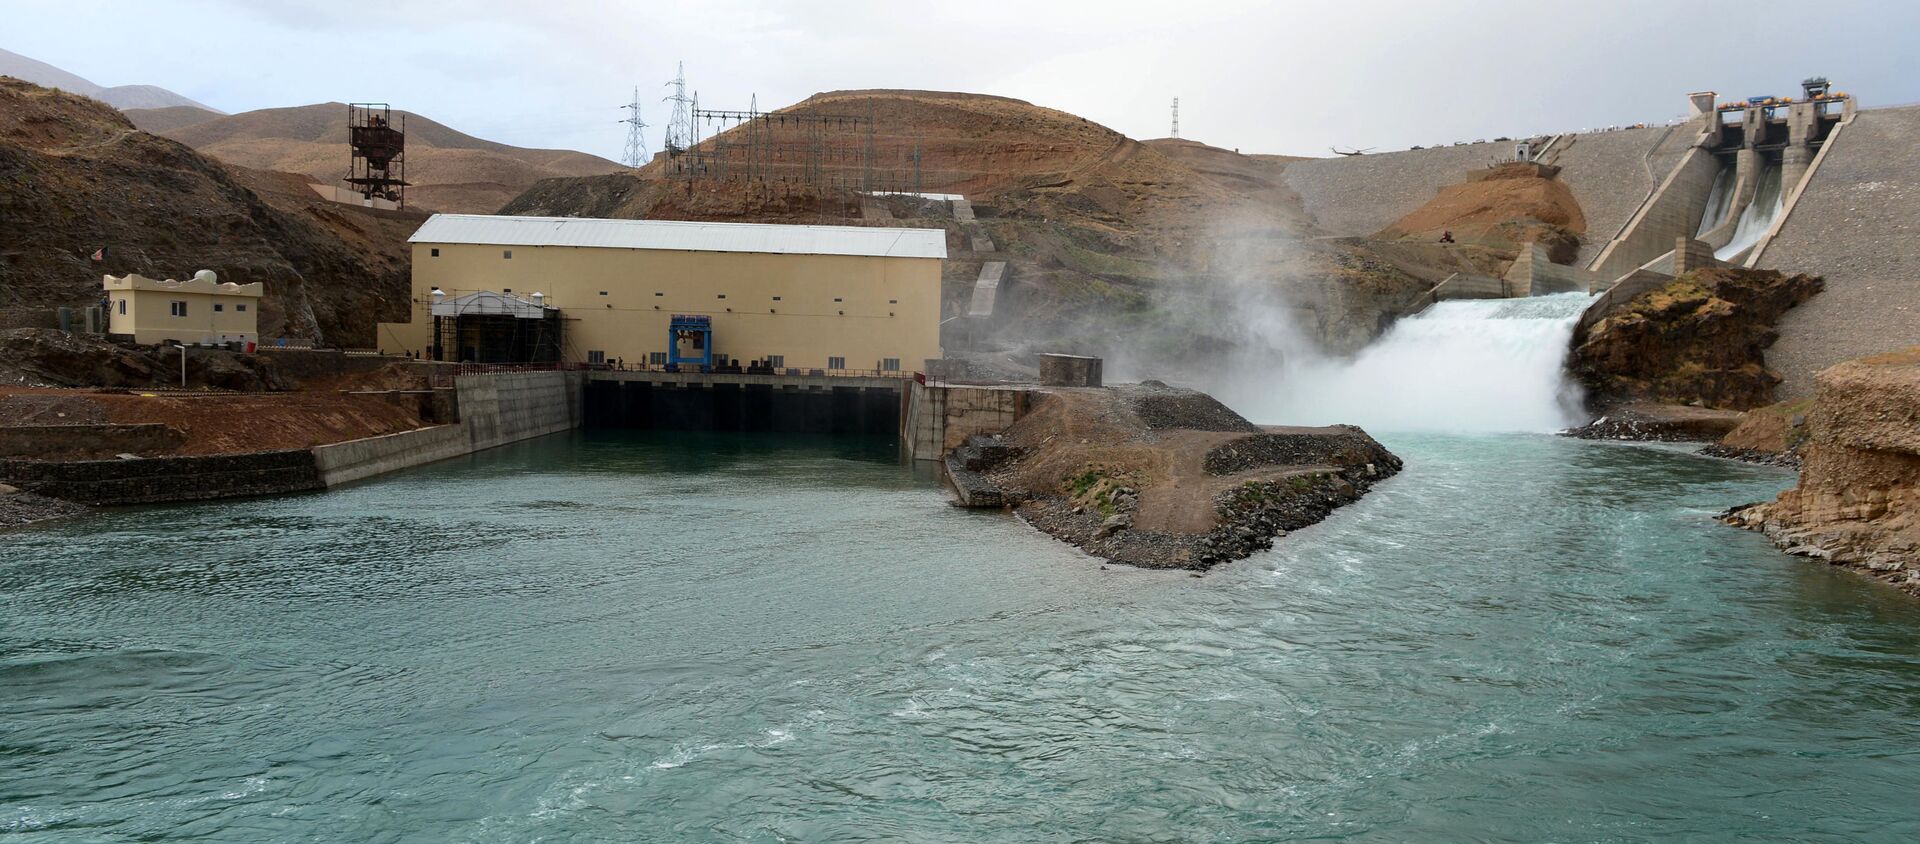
[[1858, 501], [1162, 477], [1700, 340]]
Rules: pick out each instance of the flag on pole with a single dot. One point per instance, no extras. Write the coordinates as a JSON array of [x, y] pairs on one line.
[[100, 254]]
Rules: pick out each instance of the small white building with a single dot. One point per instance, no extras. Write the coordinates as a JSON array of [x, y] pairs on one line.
[[201, 309]]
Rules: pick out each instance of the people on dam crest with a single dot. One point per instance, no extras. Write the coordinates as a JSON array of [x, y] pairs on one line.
[[1446, 236]]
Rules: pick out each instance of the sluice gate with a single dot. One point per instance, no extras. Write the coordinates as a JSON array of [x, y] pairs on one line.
[[750, 403]]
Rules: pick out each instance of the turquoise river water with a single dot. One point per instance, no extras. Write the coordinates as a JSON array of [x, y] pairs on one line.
[[705, 638]]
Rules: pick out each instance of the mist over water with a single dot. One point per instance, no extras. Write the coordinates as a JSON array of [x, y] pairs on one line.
[[1465, 366]]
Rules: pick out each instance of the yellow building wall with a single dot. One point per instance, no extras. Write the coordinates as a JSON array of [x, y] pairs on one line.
[[618, 301], [149, 316]]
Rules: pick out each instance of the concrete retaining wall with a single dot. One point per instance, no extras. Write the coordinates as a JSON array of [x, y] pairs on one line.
[[1464, 286], [941, 417], [354, 460], [1533, 274], [496, 409], [508, 407], [1673, 212]]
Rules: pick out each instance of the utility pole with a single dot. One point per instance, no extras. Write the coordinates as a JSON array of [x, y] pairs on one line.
[[1176, 118], [636, 139]]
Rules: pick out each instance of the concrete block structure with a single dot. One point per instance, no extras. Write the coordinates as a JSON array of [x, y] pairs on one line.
[[827, 298], [1070, 371], [1534, 274], [201, 310]]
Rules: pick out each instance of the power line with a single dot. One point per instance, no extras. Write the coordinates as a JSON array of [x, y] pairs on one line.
[[636, 154], [680, 124]]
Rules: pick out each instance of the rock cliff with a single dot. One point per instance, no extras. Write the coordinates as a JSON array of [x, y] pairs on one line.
[[1700, 340], [1858, 500]]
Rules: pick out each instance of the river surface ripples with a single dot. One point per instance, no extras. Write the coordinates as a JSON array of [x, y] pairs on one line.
[[708, 638]]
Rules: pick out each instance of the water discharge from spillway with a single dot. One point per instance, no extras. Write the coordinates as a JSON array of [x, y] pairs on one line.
[[1477, 365], [1719, 202], [1768, 201]]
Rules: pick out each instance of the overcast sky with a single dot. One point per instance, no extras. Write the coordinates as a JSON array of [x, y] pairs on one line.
[[1279, 77]]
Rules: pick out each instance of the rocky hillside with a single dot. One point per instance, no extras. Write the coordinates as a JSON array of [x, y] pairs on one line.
[[1858, 500], [118, 96], [1699, 340], [76, 176], [1154, 250], [450, 171], [1501, 208]]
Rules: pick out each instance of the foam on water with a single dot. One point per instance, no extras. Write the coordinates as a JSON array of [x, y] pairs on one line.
[[1472, 365]]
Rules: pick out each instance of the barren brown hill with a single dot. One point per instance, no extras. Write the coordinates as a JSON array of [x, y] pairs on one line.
[[1501, 208], [1110, 241], [76, 176], [167, 119], [450, 170]]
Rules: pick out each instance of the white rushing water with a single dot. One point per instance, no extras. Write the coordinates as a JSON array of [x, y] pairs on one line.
[[1719, 202], [1768, 202], [1475, 365]]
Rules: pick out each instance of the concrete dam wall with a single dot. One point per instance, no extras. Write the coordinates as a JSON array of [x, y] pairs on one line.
[[1857, 223], [1608, 172]]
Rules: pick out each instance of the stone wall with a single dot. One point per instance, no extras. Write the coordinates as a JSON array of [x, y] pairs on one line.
[[161, 479]]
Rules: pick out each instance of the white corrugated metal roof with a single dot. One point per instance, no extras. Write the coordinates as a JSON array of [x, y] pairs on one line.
[[679, 235]]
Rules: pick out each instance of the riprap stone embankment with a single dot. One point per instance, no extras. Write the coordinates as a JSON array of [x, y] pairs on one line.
[[1163, 477]]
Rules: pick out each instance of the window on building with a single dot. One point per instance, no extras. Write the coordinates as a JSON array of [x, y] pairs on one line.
[[776, 298], [177, 308], [603, 292], [657, 293], [838, 299], [723, 295], [506, 253], [434, 252], [219, 307], [657, 358], [893, 301], [890, 364], [777, 361], [241, 308], [506, 290], [596, 356], [123, 307], [836, 363]]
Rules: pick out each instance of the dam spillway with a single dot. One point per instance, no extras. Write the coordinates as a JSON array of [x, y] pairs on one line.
[[1465, 365]]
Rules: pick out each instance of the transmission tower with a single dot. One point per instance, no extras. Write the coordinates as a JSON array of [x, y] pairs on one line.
[[636, 138], [1176, 118], [680, 125]]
